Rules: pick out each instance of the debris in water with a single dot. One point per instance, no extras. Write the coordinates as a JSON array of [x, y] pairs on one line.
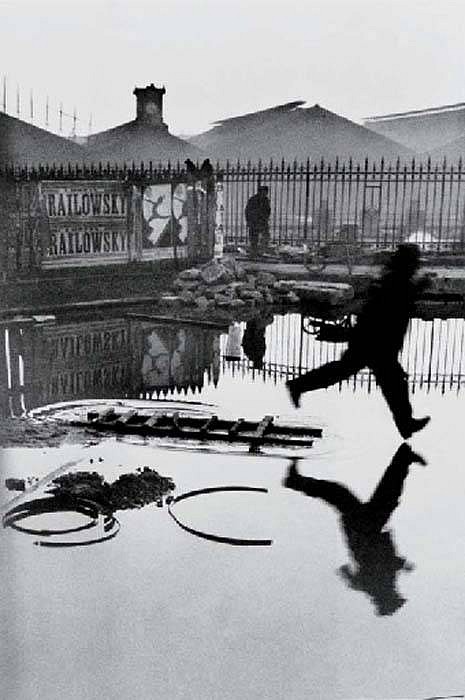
[[128, 491], [15, 484]]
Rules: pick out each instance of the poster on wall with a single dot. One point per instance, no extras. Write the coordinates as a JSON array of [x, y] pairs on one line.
[[164, 220], [218, 247], [86, 222]]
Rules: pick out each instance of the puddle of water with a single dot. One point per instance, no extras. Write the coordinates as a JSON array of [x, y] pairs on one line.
[[157, 611]]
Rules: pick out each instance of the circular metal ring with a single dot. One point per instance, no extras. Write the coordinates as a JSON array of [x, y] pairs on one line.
[[58, 504], [41, 506], [239, 541]]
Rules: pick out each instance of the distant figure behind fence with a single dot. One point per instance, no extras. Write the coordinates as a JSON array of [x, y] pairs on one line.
[[257, 215], [376, 341]]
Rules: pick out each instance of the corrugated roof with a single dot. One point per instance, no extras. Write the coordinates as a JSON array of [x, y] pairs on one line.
[[292, 132], [138, 141], [417, 112], [263, 113], [26, 144]]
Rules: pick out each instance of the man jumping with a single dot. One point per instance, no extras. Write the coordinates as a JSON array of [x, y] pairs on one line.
[[376, 341]]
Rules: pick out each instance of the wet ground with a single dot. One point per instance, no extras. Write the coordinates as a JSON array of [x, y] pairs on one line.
[[160, 612]]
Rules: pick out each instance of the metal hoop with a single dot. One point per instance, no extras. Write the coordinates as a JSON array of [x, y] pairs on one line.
[[238, 541]]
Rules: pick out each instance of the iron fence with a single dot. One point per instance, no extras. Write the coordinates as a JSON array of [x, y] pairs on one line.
[[376, 205]]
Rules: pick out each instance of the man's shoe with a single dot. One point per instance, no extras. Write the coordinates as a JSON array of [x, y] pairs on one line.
[[410, 456], [293, 477], [415, 425], [294, 394]]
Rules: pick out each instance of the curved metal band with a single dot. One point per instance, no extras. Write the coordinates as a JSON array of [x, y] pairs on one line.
[[97, 540], [40, 506], [58, 504], [238, 541]]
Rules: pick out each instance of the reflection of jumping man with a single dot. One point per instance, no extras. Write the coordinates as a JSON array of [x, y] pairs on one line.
[[372, 548]]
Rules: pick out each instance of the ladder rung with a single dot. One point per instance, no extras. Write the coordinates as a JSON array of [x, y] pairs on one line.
[[106, 415], [208, 425], [126, 417], [235, 428], [155, 419], [176, 425], [263, 427]]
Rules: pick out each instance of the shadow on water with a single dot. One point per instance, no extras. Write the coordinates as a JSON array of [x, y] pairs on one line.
[[376, 563]]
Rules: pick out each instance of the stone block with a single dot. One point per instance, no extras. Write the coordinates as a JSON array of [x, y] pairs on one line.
[[292, 298], [252, 295], [331, 293], [171, 300], [203, 303], [236, 304], [216, 273], [191, 274], [266, 279], [284, 286], [188, 298], [236, 268], [181, 285]]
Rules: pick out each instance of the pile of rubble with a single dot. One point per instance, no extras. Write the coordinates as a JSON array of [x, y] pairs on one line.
[[225, 284], [128, 491]]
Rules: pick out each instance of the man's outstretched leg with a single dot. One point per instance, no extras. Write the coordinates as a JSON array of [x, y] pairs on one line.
[[393, 383], [387, 494], [324, 376], [333, 493]]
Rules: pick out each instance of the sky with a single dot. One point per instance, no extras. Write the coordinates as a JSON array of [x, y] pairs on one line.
[[220, 58]]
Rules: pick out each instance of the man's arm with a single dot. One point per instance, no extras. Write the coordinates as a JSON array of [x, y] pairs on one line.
[[334, 334]]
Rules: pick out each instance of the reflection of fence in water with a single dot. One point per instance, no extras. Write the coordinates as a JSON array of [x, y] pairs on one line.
[[42, 364], [433, 354]]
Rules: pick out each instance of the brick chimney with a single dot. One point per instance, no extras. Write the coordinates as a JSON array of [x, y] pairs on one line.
[[150, 105]]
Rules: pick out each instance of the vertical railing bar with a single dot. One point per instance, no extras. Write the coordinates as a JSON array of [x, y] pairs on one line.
[[441, 204], [449, 204], [457, 206]]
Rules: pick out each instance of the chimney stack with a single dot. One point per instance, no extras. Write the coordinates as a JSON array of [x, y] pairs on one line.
[[150, 105]]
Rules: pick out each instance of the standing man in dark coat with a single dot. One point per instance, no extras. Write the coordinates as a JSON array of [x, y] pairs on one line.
[[257, 216]]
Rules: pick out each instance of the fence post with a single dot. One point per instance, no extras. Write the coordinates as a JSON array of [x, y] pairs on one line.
[[441, 202]]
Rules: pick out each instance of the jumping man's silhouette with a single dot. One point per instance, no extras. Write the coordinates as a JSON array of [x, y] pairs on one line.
[[376, 341], [372, 548]]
